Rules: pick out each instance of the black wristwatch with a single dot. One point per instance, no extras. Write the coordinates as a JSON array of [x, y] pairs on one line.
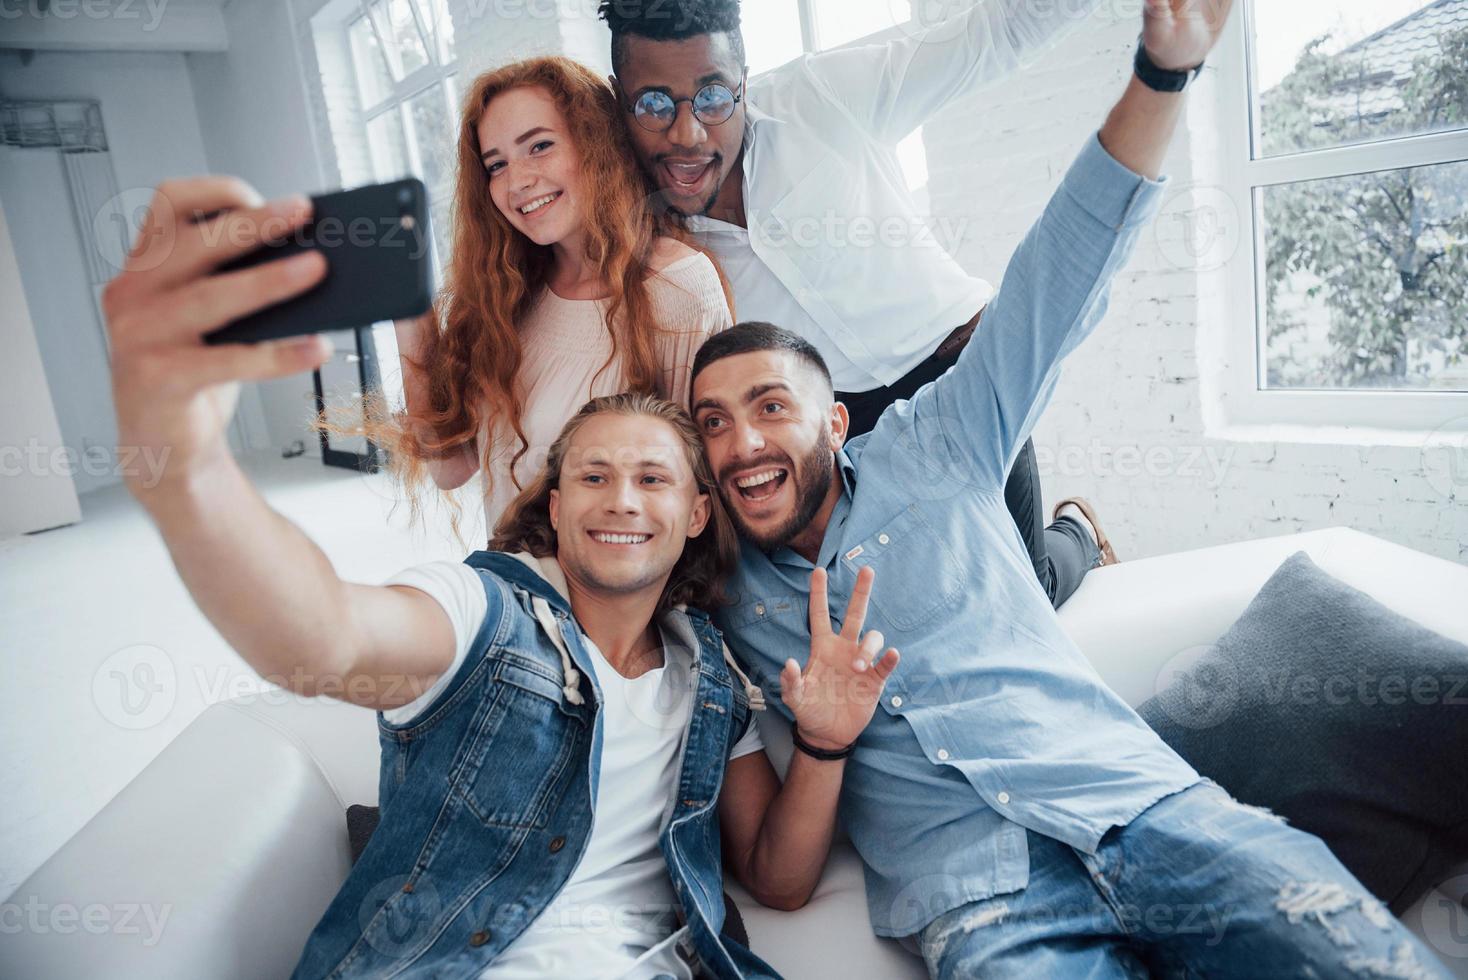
[[1162, 79], [825, 755]]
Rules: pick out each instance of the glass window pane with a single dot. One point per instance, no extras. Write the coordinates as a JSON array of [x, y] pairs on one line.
[[388, 148], [373, 82], [394, 22], [1366, 280], [840, 22], [771, 33], [406, 37], [435, 15], [1356, 71], [433, 135]]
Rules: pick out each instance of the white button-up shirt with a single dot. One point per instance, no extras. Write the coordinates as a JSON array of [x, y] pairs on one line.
[[835, 248]]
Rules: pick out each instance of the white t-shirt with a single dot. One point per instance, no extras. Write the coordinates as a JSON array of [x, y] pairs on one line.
[[617, 915]]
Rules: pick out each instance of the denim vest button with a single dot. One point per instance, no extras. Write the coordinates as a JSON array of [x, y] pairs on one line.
[[557, 843], [479, 938]]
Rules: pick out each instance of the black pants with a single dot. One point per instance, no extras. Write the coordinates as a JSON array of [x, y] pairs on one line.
[[1063, 552]]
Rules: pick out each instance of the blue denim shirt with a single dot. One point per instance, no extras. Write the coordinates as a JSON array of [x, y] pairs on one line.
[[993, 721], [487, 799]]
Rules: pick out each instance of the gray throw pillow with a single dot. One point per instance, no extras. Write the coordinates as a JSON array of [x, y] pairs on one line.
[[1341, 716]]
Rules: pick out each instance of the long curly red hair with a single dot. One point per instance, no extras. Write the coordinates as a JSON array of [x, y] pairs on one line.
[[496, 273]]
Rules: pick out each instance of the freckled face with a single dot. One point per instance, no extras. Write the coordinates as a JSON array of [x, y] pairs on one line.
[[534, 170]]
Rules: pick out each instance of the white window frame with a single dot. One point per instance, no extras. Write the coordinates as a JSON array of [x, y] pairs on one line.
[[1316, 415], [435, 74]]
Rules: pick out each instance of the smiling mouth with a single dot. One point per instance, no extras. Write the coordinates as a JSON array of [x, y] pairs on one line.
[[540, 204], [622, 538], [686, 177], [763, 484]]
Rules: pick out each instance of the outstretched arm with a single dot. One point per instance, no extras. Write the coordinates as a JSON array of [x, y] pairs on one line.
[[267, 588], [776, 838], [1056, 286]]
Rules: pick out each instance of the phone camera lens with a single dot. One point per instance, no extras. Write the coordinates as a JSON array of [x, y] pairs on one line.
[[405, 196]]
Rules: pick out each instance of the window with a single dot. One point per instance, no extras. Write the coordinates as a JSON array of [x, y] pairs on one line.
[[388, 78], [388, 70], [1352, 164], [778, 31]]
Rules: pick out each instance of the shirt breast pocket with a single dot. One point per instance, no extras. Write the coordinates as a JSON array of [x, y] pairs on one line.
[[814, 221], [524, 742], [917, 573]]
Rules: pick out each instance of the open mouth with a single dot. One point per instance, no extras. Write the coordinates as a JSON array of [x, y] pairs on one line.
[[540, 204], [762, 484], [687, 178], [619, 537]]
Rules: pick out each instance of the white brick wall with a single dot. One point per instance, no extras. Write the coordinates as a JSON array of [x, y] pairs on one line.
[[1126, 427]]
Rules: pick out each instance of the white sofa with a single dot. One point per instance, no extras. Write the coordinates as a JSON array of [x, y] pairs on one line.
[[237, 830]]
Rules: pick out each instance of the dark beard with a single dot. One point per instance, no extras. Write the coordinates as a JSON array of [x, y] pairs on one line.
[[812, 478]]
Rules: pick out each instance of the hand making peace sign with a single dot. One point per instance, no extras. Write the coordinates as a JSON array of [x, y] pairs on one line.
[[836, 694]]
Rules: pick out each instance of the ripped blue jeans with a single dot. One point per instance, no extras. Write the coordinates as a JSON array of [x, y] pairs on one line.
[[1198, 885]]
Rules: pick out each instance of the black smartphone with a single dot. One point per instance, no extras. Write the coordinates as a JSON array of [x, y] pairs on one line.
[[376, 241]]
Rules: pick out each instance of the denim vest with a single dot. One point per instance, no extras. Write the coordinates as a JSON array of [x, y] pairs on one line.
[[487, 798]]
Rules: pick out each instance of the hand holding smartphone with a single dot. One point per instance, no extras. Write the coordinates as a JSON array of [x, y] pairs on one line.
[[376, 242]]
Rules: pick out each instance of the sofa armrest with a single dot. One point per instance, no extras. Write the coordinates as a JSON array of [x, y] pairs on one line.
[[216, 861]]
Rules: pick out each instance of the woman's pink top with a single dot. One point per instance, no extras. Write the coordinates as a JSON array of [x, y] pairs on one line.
[[566, 345]]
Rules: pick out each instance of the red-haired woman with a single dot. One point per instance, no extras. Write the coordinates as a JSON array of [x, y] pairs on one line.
[[564, 284]]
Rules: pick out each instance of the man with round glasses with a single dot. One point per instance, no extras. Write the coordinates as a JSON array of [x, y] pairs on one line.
[[791, 180]]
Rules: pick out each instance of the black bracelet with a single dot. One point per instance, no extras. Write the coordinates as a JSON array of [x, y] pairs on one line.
[[825, 755], [1162, 79]]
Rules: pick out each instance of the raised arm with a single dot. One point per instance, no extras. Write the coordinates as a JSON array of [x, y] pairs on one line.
[[1056, 286], [454, 470], [893, 88], [268, 589]]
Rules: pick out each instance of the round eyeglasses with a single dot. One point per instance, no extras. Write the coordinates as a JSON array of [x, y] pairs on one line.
[[713, 104]]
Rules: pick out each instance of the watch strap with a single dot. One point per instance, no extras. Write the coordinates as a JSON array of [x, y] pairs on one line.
[[1162, 79]]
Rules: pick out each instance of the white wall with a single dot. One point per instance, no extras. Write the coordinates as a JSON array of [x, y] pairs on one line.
[[152, 131], [35, 494], [1126, 428]]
